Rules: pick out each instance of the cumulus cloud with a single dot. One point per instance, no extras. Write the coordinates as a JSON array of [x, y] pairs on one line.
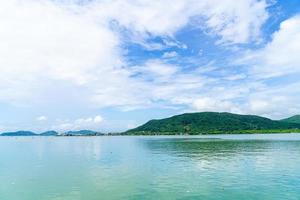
[[275, 68], [236, 21], [211, 104], [41, 118], [53, 41], [98, 119], [47, 42], [80, 123], [280, 56], [277, 101], [57, 52]]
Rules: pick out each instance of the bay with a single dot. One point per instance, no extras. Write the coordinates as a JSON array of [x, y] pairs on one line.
[[255, 166]]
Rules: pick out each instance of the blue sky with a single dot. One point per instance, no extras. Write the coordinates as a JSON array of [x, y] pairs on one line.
[[113, 65]]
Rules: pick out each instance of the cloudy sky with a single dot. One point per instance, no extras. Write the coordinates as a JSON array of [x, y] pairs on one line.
[[110, 65]]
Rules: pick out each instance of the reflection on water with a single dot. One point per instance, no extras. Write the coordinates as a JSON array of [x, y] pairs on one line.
[[218, 148], [92, 168]]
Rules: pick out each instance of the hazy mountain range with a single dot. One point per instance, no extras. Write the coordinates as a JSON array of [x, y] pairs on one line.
[[53, 133]]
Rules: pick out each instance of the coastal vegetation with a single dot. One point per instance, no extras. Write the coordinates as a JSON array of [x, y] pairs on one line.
[[193, 124], [293, 119], [213, 123]]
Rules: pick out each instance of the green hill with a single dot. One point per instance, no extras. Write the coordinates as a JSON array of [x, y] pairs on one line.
[[212, 122], [293, 119]]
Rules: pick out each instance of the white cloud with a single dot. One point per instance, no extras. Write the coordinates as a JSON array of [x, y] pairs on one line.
[[280, 56], [157, 69], [98, 119], [275, 67], [146, 16], [46, 42], [211, 104], [93, 123], [267, 83], [41, 118], [90, 120], [170, 54], [277, 101], [60, 52], [236, 21]]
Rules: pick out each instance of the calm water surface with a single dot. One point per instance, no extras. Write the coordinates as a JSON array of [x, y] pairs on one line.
[[241, 167]]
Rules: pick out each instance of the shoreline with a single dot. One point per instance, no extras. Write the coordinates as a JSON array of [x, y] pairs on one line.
[[186, 135]]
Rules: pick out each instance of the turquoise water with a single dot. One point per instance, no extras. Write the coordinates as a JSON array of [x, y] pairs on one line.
[[241, 167]]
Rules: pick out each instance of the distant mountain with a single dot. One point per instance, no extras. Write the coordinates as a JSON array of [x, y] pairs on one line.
[[82, 133], [19, 133], [49, 133], [53, 133], [212, 122], [293, 119]]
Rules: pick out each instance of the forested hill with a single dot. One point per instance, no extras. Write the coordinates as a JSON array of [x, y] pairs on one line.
[[212, 122], [293, 119]]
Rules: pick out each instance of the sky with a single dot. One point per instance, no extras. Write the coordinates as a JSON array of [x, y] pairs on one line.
[[111, 65]]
